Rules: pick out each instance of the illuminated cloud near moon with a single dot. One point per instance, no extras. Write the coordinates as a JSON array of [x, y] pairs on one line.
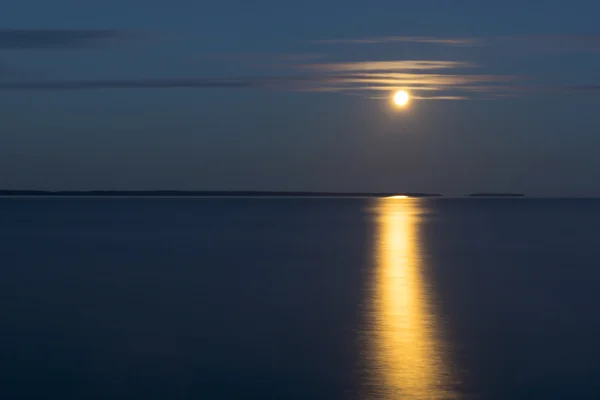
[[431, 79]]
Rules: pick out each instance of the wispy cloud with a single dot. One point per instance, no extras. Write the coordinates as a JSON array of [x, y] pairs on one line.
[[450, 41], [426, 88], [359, 76], [448, 79], [536, 42], [253, 57], [402, 65], [23, 39], [421, 76], [315, 83], [427, 79], [441, 97], [136, 84], [282, 82]]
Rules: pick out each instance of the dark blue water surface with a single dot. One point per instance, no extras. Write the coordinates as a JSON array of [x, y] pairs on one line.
[[148, 298]]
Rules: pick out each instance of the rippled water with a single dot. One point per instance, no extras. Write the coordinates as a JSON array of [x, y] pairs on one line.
[[405, 353], [299, 298]]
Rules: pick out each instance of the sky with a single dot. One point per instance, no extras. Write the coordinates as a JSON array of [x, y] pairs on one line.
[[276, 95]]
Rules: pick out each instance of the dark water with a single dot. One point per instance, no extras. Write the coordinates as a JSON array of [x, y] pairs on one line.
[[299, 299]]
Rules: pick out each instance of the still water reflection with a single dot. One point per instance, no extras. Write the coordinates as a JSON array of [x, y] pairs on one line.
[[406, 354]]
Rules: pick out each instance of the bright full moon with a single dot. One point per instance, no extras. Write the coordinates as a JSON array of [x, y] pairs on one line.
[[401, 98]]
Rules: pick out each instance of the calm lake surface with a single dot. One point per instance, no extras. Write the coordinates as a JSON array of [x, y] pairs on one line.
[[187, 298]]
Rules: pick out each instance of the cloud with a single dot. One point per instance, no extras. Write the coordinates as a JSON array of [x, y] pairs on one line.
[[528, 89], [26, 39], [285, 82], [426, 79], [463, 88], [375, 75], [313, 83], [262, 57], [367, 77], [403, 65], [414, 75], [441, 97], [393, 78], [460, 41], [134, 84], [536, 42]]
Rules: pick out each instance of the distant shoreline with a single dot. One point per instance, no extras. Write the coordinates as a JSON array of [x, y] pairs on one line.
[[178, 193]]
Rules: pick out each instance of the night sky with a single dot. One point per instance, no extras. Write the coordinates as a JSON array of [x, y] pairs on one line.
[[281, 95]]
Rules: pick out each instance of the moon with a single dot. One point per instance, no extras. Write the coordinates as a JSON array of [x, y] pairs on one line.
[[401, 98]]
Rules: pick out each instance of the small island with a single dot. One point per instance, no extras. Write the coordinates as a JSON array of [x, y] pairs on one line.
[[213, 193], [497, 195]]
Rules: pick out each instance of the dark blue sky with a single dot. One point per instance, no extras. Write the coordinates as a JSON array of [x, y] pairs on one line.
[[275, 95]]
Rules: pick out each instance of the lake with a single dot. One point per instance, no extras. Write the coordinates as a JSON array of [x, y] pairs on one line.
[[299, 298]]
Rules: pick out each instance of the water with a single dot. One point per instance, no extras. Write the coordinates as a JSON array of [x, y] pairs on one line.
[[299, 299]]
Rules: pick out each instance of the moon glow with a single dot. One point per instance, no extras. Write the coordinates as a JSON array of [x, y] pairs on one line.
[[401, 98]]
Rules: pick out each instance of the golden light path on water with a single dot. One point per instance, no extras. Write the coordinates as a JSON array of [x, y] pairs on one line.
[[405, 351]]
